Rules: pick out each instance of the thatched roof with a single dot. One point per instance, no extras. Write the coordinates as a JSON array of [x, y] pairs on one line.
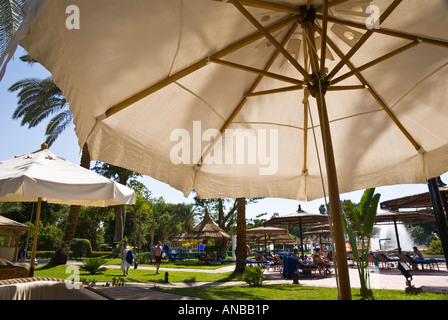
[[420, 200], [262, 231], [207, 229], [298, 217], [11, 224], [404, 217]]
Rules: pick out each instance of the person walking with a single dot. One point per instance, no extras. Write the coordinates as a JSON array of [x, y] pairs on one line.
[[125, 265], [158, 255]]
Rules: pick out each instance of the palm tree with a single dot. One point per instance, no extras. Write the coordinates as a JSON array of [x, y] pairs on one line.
[[10, 19], [38, 100]]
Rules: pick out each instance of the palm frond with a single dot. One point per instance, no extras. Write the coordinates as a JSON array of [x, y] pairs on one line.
[[57, 125], [10, 19], [38, 99]]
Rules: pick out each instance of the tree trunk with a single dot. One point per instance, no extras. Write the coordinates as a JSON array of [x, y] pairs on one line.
[[120, 218], [240, 250], [120, 213], [61, 254]]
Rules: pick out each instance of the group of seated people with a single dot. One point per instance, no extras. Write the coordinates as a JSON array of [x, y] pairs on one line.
[[319, 259]]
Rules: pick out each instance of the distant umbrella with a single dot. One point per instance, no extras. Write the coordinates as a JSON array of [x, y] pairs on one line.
[[299, 218]]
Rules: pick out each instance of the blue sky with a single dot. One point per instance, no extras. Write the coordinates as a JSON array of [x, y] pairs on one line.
[[16, 140]]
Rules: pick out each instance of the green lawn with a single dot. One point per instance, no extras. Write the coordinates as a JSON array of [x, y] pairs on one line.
[[136, 275], [291, 292], [184, 264]]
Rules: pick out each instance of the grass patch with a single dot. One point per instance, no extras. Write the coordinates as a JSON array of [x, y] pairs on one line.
[[136, 275], [181, 264], [291, 292]]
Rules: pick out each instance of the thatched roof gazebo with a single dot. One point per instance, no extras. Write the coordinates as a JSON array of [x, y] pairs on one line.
[[207, 229]]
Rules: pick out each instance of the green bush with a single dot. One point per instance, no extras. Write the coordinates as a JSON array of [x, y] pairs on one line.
[[253, 276], [435, 247], [93, 265], [142, 257], [81, 248]]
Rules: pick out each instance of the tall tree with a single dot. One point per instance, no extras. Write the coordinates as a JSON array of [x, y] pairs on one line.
[[124, 177], [38, 100]]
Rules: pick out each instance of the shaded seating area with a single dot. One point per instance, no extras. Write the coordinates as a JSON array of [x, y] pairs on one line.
[[291, 265]]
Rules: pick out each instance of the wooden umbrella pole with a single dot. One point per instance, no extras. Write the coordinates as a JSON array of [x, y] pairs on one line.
[[318, 92], [335, 207], [36, 231]]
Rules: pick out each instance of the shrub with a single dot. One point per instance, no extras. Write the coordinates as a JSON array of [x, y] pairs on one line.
[[93, 265], [142, 257], [253, 275], [81, 248], [435, 247]]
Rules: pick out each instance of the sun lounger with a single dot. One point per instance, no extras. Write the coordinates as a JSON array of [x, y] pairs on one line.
[[306, 268], [385, 260], [174, 258], [429, 262], [262, 263], [276, 266]]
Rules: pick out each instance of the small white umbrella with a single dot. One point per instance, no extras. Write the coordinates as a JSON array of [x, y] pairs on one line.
[[43, 176]]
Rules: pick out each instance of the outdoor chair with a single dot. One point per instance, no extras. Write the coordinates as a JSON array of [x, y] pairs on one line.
[[387, 261], [429, 262], [172, 257], [275, 266], [261, 263], [9, 271], [36, 288]]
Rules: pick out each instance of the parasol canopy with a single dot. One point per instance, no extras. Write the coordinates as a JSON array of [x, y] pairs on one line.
[[267, 233], [299, 219], [207, 229], [417, 201], [43, 176], [171, 89]]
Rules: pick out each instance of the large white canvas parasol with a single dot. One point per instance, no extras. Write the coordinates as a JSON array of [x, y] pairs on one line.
[[360, 85], [43, 176]]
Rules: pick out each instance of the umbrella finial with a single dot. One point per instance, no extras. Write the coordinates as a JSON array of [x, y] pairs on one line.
[[299, 209], [44, 146]]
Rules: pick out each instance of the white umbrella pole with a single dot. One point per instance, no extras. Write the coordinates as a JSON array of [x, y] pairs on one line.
[[36, 231]]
